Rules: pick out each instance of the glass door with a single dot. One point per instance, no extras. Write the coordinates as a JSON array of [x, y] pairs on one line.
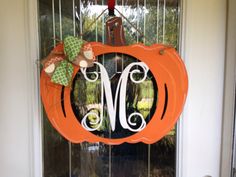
[[158, 20]]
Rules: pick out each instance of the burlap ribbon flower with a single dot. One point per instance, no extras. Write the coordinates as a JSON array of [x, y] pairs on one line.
[[59, 63]]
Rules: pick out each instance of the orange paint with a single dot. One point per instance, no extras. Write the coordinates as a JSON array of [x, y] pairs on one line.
[[170, 74]]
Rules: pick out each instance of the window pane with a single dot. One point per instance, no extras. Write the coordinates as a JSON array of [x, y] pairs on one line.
[[158, 21]]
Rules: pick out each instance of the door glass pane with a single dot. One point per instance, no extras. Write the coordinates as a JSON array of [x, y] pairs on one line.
[[158, 21]]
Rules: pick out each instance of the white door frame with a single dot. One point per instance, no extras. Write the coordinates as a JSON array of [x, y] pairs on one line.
[[203, 49], [229, 92], [34, 66]]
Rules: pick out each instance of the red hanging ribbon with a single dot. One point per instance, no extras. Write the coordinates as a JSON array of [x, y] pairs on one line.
[[111, 4], [111, 7]]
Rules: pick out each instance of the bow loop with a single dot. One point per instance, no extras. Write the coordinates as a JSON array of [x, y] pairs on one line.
[[72, 47]]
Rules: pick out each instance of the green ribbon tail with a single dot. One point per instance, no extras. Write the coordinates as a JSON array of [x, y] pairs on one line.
[[63, 73]]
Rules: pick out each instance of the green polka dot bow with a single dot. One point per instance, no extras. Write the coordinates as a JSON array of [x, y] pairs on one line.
[[61, 71]]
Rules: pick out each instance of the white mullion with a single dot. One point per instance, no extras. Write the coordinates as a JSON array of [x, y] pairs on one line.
[[80, 18], [96, 28], [53, 23], [164, 22], [144, 22], [70, 144], [144, 41], [103, 62], [149, 145], [60, 20], [116, 61], [81, 32], [158, 16], [137, 23], [73, 4], [70, 161], [122, 56], [103, 40]]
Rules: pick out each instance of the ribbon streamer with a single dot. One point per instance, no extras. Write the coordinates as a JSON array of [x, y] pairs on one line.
[[111, 7]]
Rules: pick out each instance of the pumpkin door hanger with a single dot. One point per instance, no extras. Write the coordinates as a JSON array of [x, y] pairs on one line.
[[170, 88]]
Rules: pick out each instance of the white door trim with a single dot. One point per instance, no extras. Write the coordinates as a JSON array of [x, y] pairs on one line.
[[31, 14], [203, 50], [179, 127], [229, 92]]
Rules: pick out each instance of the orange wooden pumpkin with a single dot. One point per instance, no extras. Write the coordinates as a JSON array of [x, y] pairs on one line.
[[170, 75]]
